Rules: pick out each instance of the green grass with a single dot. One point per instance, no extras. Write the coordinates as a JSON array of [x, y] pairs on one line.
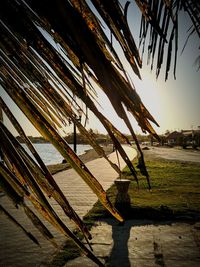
[[55, 168], [175, 185], [175, 192], [69, 252]]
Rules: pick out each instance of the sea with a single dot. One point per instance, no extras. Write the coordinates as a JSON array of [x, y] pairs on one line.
[[50, 155]]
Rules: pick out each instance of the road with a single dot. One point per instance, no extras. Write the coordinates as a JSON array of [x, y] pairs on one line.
[[175, 154]]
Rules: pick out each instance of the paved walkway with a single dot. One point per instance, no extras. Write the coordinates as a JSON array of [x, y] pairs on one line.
[[143, 244], [16, 250]]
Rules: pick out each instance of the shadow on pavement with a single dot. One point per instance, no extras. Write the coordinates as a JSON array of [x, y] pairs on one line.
[[137, 242], [120, 255]]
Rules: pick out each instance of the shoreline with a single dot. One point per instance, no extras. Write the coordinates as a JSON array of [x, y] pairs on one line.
[[89, 155], [160, 153]]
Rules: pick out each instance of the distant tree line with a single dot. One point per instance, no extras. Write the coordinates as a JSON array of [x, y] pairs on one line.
[[100, 138], [33, 139], [80, 139], [183, 138]]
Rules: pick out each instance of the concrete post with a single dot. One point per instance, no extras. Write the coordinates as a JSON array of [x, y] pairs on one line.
[[122, 202]]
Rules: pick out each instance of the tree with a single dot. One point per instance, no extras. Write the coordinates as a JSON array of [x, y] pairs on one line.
[[49, 55]]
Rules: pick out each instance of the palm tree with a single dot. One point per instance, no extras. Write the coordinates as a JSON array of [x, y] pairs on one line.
[[53, 54]]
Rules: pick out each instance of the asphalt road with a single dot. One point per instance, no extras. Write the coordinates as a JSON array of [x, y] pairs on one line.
[[175, 154]]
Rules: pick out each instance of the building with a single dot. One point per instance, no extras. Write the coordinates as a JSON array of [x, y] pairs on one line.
[[184, 138]]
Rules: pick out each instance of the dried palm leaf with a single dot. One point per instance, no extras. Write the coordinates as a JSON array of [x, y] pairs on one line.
[[162, 17], [46, 181], [46, 210], [10, 217], [8, 189], [18, 199], [48, 131]]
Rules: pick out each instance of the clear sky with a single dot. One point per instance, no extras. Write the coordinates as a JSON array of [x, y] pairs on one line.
[[175, 104]]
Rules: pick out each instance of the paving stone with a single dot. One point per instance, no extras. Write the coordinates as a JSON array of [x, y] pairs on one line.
[[182, 263], [81, 262], [143, 245]]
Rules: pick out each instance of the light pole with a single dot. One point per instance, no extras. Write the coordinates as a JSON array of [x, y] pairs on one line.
[[78, 118], [1, 119]]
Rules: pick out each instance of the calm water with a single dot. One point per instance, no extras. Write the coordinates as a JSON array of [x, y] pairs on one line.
[[50, 155]]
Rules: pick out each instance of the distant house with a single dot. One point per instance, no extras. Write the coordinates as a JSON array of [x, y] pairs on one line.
[[184, 138], [188, 133], [173, 138]]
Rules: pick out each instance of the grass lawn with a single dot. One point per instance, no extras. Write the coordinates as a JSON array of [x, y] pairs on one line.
[[174, 184], [175, 192]]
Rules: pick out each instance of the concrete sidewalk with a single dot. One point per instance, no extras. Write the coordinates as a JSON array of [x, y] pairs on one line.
[[77, 191], [140, 243], [16, 250]]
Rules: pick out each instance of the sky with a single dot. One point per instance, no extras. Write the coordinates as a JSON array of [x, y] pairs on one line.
[[174, 103]]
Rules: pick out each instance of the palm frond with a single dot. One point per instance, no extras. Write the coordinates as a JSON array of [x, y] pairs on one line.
[[160, 20], [11, 218]]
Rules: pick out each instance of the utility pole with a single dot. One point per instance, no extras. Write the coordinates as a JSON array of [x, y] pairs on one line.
[[75, 150], [1, 119], [78, 118]]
